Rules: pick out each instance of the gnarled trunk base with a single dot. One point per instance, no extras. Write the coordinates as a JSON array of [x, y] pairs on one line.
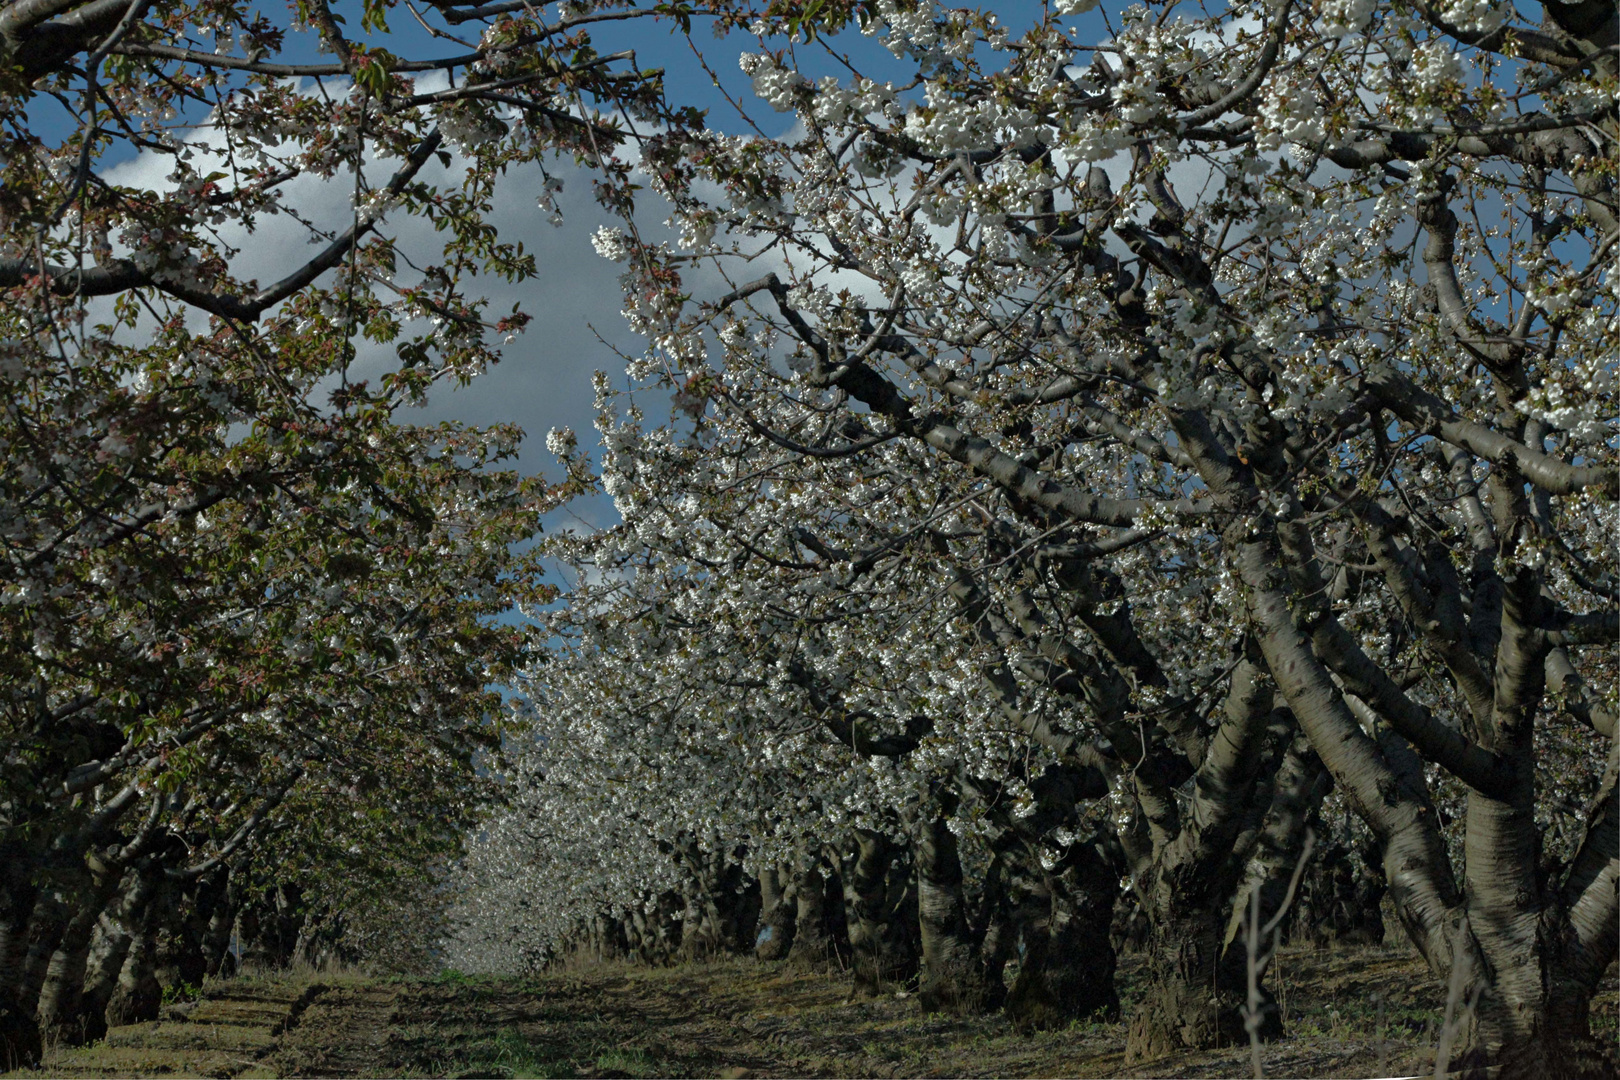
[[881, 953], [820, 942], [778, 912], [1067, 971], [1571, 1057], [1176, 1016], [954, 976], [1193, 1002]]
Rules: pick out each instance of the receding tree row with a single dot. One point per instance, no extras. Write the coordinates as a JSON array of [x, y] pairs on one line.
[[250, 613], [1091, 468], [1026, 913]]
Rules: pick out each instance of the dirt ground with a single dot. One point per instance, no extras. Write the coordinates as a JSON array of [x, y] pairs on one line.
[[1350, 1013]]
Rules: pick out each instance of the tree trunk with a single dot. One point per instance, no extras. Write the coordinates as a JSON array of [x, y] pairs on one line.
[[1195, 995], [953, 976], [138, 996], [109, 948], [289, 912], [216, 942], [249, 936], [815, 944], [19, 1032], [669, 925], [190, 957], [739, 904], [880, 956], [900, 902], [45, 928], [1191, 1000], [1537, 976], [1528, 948], [996, 928], [1067, 971], [700, 936], [61, 1018], [779, 907], [605, 938]]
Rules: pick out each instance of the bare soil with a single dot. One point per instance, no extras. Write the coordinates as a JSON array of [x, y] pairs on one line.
[[1360, 1012]]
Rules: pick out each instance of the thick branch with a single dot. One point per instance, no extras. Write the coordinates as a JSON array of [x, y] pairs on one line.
[[1427, 413], [122, 275]]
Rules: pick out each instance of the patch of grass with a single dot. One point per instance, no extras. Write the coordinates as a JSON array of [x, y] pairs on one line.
[[629, 1061], [507, 1055], [181, 992]]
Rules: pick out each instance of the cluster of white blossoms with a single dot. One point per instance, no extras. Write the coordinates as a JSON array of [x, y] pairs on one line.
[[1291, 115], [612, 244], [779, 87], [469, 127], [1477, 16], [1340, 18]]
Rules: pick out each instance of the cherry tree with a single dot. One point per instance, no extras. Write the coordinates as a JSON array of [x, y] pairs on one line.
[[249, 616], [1244, 380]]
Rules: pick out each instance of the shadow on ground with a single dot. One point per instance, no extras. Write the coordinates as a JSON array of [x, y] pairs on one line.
[[1351, 1013]]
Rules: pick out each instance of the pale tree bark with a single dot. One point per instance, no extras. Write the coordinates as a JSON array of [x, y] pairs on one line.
[[701, 934], [109, 949], [953, 976], [1531, 966], [60, 997], [1297, 792], [1066, 971], [1186, 866], [1188, 884], [138, 996], [60, 1016], [778, 915], [996, 926], [819, 943], [880, 949], [216, 943]]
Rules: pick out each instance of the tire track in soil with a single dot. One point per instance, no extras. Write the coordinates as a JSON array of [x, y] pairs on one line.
[[342, 1033]]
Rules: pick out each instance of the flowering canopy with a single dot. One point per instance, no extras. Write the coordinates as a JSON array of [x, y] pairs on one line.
[[1056, 388]]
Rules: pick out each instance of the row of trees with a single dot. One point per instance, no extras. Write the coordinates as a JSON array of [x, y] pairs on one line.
[[250, 636], [1088, 452]]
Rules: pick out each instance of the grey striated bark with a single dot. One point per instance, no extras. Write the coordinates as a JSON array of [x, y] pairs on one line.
[[881, 955], [953, 977], [1296, 794], [137, 995], [61, 1018], [109, 949], [1188, 883], [216, 943], [819, 938], [1532, 949], [1066, 971]]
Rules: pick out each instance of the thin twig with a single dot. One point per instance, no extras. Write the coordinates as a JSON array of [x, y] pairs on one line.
[[1259, 955]]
